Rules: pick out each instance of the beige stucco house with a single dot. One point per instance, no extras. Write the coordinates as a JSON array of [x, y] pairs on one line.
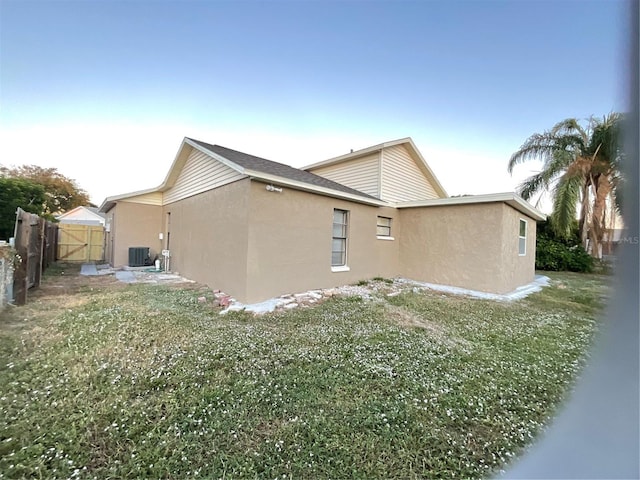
[[257, 229]]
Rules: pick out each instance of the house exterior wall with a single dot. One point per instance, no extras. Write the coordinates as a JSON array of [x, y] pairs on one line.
[[362, 174], [469, 246], [208, 236], [290, 235], [132, 225], [255, 244], [199, 174], [402, 179], [518, 270]]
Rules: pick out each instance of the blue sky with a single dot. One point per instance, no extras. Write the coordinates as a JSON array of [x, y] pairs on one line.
[[106, 90]]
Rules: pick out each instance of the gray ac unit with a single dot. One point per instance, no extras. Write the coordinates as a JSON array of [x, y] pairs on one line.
[[139, 256]]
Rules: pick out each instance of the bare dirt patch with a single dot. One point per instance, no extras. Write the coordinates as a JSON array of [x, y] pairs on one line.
[[409, 319], [63, 287]]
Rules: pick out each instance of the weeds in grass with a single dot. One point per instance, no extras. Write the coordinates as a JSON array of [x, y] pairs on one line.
[[145, 381]]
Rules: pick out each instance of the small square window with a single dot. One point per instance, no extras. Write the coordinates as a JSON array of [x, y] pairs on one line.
[[383, 228]]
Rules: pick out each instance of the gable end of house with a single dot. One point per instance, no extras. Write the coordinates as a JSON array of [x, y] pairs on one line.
[[391, 171], [199, 174], [404, 177]]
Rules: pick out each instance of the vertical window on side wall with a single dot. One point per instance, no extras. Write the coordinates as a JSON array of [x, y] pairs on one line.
[[339, 238], [383, 228], [522, 238]]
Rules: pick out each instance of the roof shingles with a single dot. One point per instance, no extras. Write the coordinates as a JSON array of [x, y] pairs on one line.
[[270, 167]]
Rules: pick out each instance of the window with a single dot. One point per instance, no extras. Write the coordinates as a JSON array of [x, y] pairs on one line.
[[522, 238], [339, 242], [384, 227]]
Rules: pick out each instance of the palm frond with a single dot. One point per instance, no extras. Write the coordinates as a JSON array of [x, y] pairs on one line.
[[570, 127], [605, 144], [570, 143], [533, 185], [543, 180], [566, 195], [537, 146], [566, 136], [618, 182]]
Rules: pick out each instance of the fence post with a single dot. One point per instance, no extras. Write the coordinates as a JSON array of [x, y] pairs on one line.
[[39, 248], [45, 246], [52, 243], [21, 235]]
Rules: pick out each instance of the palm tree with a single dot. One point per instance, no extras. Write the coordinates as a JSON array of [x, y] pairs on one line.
[[581, 168]]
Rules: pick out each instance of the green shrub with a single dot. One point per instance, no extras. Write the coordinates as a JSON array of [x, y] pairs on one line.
[[560, 254]]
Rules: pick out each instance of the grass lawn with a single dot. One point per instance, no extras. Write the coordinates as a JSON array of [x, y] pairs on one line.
[[107, 380]]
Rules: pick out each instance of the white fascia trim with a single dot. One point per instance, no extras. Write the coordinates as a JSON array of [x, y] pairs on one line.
[[98, 217], [106, 205], [217, 157], [525, 207], [110, 201], [313, 188], [131, 194], [341, 268], [435, 180], [357, 153], [179, 160], [381, 237], [169, 181], [509, 198]]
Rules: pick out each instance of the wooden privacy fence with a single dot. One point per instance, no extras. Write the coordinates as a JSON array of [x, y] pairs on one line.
[[80, 243], [35, 244], [6, 274]]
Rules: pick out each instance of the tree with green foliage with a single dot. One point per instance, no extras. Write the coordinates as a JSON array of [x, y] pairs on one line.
[[62, 193], [561, 253], [581, 169], [14, 193]]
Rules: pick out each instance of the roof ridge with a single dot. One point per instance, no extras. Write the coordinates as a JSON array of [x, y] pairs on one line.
[[243, 153]]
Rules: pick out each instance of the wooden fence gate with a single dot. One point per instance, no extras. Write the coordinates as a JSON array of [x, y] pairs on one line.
[[80, 243]]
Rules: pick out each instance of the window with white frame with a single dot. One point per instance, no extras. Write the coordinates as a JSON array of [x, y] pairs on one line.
[[522, 238], [383, 228], [339, 241]]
